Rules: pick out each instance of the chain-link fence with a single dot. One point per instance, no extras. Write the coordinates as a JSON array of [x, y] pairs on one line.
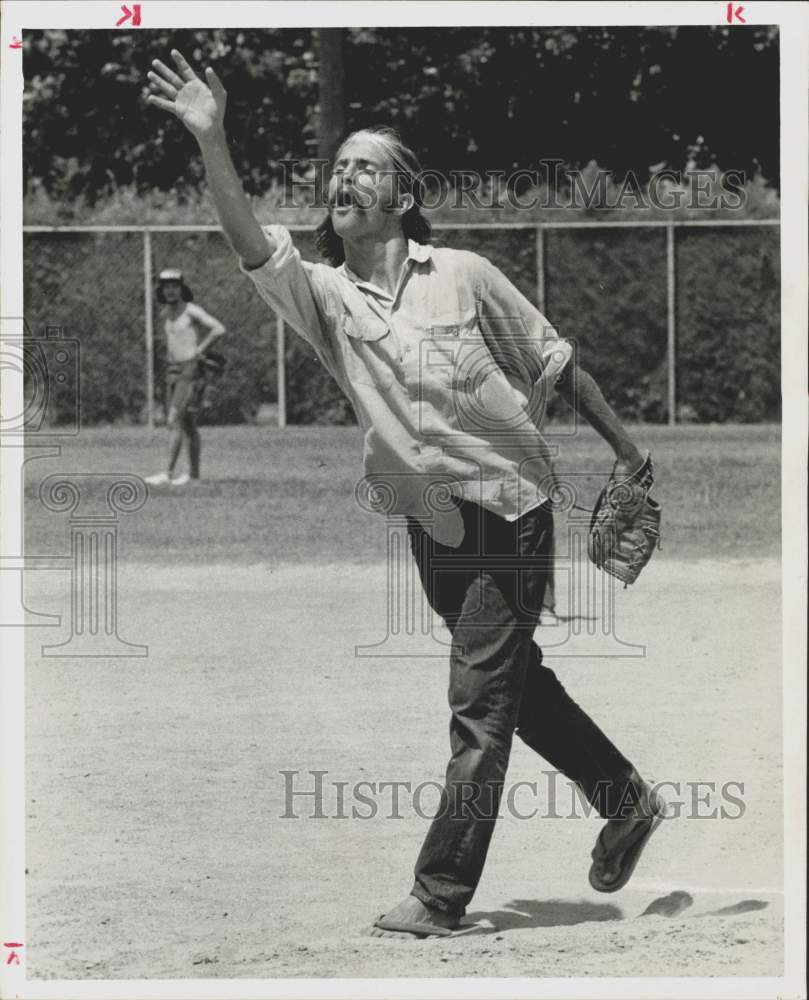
[[678, 321]]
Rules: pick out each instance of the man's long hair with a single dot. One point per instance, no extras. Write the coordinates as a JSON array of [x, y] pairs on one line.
[[408, 172]]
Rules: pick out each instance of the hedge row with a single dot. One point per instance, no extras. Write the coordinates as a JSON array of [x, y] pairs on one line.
[[605, 289]]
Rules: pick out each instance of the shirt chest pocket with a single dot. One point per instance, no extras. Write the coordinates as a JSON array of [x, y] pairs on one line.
[[461, 322], [453, 348], [367, 350]]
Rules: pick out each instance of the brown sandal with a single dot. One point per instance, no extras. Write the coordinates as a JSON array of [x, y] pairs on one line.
[[628, 849], [418, 928]]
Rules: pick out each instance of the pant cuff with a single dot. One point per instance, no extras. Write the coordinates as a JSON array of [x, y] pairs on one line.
[[436, 904]]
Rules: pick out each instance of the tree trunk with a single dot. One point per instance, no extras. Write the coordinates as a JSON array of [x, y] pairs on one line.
[[331, 120]]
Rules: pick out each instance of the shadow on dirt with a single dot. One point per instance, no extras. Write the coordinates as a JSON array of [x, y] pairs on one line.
[[669, 906], [745, 906], [520, 914], [523, 913]]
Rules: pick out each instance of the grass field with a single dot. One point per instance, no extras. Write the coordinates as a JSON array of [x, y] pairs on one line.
[[279, 496], [156, 843]]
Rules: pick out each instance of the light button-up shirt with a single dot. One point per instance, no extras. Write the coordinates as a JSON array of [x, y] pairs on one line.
[[449, 377]]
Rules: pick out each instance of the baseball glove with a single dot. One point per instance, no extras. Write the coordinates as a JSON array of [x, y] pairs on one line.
[[625, 526], [213, 362]]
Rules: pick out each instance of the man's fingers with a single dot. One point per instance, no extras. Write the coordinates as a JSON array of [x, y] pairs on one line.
[[168, 73], [217, 89], [167, 88], [161, 102], [185, 70]]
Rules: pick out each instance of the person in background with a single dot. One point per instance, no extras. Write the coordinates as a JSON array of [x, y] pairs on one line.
[[190, 332]]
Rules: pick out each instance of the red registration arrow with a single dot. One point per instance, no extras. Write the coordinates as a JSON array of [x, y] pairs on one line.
[[134, 14], [13, 957]]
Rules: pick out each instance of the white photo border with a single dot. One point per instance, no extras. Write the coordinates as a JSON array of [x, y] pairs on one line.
[[20, 16]]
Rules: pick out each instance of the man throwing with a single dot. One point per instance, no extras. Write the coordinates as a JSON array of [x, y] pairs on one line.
[[448, 367]]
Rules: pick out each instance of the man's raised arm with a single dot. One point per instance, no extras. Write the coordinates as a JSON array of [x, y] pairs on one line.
[[200, 106]]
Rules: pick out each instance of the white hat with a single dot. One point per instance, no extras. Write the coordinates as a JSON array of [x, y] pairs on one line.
[[171, 274]]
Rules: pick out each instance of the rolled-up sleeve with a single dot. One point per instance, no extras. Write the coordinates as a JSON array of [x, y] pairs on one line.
[[285, 283], [517, 328]]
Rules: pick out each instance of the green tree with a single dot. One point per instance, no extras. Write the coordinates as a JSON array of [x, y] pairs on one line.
[[475, 98]]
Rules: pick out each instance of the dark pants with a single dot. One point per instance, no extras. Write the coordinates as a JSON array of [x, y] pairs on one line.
[[489, 593]]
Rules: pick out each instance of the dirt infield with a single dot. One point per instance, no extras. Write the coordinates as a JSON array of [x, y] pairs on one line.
[[156, 843]]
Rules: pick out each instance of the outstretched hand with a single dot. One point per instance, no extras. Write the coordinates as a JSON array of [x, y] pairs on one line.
[[200, 105]]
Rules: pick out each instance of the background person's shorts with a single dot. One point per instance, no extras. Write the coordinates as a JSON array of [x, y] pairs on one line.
[[185, 386]]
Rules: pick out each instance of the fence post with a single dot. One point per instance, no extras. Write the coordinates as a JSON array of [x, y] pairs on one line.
[[149, 326], [540, 249], [671, 315], [281, 366]]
